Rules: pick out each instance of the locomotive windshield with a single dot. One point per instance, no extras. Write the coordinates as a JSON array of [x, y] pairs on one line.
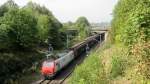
[[47, 64]]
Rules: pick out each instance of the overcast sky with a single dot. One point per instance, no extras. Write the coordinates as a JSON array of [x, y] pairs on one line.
[[70, 10]]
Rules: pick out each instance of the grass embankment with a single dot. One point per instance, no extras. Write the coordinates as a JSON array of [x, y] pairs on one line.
[[110, 64]]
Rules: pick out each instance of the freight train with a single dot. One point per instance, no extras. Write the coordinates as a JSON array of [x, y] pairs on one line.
[[52, 66]]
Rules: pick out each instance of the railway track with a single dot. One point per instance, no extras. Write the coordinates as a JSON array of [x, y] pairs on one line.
[[44, 82], [62, 80], [67, 76], [56, 81]]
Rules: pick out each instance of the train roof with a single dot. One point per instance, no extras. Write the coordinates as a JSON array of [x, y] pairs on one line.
[[85, 41]]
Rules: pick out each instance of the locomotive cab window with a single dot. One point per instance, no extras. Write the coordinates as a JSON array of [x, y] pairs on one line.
[[48, 64]]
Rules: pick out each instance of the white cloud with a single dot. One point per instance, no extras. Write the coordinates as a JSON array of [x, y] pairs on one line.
[[65, 10]]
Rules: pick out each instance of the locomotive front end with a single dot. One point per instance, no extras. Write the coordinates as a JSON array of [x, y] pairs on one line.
[[48, 69]]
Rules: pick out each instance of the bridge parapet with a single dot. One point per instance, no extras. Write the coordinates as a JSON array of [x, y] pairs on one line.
[[100, 30]]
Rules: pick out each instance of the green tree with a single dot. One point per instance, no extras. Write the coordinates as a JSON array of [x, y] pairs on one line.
[[82, 25], [82, 22], [19, 27], [48, 26], [10, 4]]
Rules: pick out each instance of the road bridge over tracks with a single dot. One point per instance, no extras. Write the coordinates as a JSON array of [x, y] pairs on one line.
[[96, 30]]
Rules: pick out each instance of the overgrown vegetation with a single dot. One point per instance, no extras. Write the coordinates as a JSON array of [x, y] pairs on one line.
[[108, 65], [131, 22], [131, 28]]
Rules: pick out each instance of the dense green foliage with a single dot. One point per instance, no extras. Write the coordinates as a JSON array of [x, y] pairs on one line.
[[131, 27], [48, 26], [131, 21], [18, 29], [15, 64], [7, 6], [28, 27]]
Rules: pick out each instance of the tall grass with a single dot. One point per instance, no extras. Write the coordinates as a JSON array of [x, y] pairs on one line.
[[113, 64], [107, 65], [88, 72], [118, 65]]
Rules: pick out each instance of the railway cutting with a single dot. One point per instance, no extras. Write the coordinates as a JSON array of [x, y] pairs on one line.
[[57, 70]]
